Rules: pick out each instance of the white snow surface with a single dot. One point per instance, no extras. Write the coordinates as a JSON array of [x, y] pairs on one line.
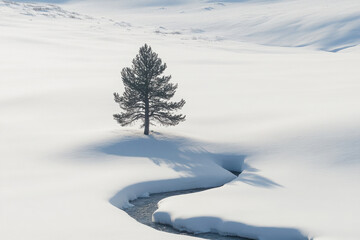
[[329, 25], [287, 116]]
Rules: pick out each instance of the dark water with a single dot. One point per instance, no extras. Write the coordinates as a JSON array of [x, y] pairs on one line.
[[145, 207]]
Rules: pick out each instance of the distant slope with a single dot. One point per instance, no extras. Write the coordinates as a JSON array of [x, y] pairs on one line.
[[327, 25]]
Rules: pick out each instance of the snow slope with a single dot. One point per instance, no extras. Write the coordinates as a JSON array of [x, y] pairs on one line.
[[327, 25], [288, 117]]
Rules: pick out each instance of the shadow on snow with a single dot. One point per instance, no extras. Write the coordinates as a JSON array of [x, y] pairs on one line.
[[184, 155], [247, 231], [190, 158]]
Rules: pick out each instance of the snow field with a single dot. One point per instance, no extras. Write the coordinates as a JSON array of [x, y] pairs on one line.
[[291, 114]]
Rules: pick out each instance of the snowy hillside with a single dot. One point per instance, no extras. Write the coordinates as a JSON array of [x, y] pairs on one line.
[[272, 89], [327, 25]]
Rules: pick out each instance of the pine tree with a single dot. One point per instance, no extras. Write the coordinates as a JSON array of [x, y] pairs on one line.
[[147, 94]]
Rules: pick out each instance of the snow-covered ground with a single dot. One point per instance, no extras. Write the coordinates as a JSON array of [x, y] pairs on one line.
[[272, 88]]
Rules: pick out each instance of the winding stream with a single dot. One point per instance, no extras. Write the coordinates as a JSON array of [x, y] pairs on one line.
[[145, 207]]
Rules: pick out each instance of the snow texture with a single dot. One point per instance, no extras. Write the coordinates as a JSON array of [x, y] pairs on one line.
[[272, 88]]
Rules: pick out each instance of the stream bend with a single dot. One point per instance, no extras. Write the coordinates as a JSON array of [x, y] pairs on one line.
[[143, 209]]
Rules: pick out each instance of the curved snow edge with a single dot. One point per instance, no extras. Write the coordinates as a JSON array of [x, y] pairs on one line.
[[121, 199], [229, 228], [212, 170]]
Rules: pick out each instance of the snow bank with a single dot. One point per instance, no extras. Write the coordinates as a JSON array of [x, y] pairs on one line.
[[194, 165], [296, 190]]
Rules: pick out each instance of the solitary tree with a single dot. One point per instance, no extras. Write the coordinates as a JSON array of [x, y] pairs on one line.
[[147, 94]]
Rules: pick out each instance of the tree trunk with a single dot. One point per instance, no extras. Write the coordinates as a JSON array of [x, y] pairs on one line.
[[147, 120]]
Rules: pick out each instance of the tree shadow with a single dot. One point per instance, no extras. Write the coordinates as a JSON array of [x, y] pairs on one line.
[[257, 180], [186, 156], [181, 154], [251, 177]]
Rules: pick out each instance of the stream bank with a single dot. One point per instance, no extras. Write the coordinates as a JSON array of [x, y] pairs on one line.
[[144, 208]]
